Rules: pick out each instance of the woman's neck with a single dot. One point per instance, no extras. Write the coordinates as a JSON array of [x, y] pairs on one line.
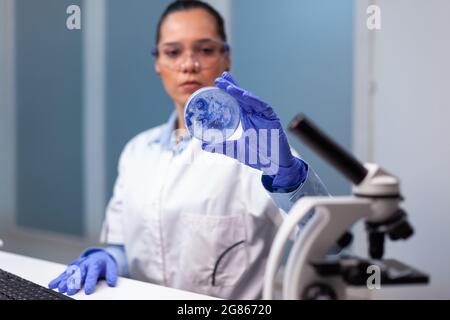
[[180, 125], [180, 117]]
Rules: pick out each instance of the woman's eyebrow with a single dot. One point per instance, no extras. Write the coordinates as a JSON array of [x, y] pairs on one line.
[[205, 40], [171, 44], [176, 43]]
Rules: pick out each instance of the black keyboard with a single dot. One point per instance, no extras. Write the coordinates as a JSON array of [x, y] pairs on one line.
[[13, 287]]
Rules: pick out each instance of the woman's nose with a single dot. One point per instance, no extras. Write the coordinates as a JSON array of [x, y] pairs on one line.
[[190, 64]]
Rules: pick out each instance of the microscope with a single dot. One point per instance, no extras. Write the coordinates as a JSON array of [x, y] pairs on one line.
[[311, 273]]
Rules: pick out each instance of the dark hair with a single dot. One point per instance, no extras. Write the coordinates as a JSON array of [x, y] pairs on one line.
[[183, 5]]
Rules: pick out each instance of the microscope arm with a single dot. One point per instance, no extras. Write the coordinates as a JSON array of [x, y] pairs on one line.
[[375, 200], [314, 241]]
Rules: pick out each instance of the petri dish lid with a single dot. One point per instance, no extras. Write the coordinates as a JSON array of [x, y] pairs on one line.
[[212, 115]]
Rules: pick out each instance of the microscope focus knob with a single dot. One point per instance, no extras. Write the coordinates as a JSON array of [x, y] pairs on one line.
[[402, 229]]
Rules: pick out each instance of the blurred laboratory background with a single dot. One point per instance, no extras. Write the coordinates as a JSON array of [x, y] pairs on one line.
[[71, 99]]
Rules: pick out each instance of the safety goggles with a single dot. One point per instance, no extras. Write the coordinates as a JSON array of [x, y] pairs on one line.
[[202, 54]]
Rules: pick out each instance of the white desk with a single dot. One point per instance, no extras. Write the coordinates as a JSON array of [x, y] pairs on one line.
[[42, 272]]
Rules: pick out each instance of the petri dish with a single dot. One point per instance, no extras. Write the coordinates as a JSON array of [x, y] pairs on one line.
[[212, 115]]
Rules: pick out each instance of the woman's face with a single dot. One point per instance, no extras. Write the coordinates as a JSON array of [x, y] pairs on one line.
[[189, 36]]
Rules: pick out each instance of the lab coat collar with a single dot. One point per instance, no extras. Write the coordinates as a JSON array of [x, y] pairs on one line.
[[167, 136]]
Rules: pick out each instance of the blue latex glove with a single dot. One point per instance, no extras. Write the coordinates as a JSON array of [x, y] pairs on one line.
[[87, 270], [285, 171]]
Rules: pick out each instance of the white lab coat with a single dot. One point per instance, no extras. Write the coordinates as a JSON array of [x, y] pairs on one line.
[[191, 220]]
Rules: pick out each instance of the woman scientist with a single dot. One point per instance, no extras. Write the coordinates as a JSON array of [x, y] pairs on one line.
[[182, 215]]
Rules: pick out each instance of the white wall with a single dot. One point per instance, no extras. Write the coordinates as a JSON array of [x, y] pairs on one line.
[[410, 104], [7, 118]]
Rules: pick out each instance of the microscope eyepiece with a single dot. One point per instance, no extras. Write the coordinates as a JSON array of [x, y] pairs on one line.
[[343, 161]]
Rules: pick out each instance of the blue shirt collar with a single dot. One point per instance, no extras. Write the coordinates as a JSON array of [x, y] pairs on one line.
[[167, 135]]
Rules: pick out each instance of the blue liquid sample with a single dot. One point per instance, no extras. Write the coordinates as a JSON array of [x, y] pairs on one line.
[[212, 115]]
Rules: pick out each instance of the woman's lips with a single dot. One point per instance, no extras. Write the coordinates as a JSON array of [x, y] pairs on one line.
[[191, 85]]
